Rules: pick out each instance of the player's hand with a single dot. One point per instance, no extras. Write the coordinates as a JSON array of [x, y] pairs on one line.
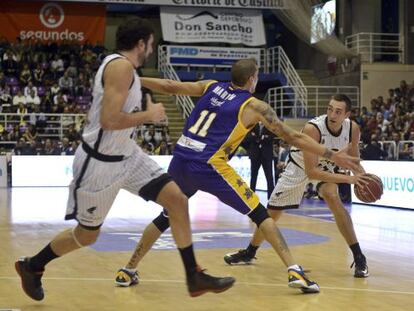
[[360, 179], [155, 111], [344, 160]]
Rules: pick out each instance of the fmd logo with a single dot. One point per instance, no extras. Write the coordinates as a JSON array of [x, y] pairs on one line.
[[184, 51]]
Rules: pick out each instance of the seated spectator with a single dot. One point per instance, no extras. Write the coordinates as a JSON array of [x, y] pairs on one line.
[[50, 148], [10, 65], [72, 134], [38, 75], [22, 109], [55, 89], [72, 70], [30, 134], [25, 75], [66, 83], [163, 149], [66, 148], [57, 66], [5, 96], [149, 135], [29, 88], [18, 99], [372, 150], [32, 100]]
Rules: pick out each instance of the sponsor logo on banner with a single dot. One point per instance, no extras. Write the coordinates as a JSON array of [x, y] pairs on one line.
[[51, 21], [207, 56], [212, 25]]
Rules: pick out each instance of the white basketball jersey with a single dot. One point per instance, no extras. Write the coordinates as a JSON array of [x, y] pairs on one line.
[[116, 142], [331, 140]]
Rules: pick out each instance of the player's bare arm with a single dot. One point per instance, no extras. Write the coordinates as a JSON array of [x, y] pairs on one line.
[[311, 162], [118, 77], [258, 110], [166, 86]]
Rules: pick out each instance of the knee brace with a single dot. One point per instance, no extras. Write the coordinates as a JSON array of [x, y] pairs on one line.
[[259, 214], [162, 222]]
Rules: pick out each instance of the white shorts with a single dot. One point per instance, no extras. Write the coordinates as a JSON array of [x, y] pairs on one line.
[[289, 189], [96, 184]]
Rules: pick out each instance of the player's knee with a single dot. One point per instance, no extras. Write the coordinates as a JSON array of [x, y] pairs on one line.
[[259, 214], [161, 222], [330, 196], [275, 214], [85, 237]]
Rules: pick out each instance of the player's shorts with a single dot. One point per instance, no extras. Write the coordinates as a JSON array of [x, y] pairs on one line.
[[289, 189], [96, 184], [220, 180]]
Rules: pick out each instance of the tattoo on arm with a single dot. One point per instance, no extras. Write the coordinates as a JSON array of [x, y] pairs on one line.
[[328, 154], [269, 114]]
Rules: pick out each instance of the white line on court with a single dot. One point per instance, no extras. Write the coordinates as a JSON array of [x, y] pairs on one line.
[[368, 290]]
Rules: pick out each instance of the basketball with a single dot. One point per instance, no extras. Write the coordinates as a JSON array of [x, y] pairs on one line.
[[370, 192]]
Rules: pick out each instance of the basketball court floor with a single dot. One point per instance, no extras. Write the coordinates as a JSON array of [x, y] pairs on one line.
[[83, 280]]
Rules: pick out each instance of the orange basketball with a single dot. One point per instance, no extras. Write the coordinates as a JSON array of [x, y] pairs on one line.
[[370, 192]]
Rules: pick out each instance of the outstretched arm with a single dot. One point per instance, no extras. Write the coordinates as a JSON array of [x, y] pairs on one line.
[[166, 86], [261, 111], [354, 146]]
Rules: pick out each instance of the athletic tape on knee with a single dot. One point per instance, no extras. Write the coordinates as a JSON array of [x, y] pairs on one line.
[[259, 214], [161, 222], [75, 239]]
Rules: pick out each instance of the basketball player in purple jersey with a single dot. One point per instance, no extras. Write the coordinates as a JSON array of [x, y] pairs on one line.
[[221, 119]]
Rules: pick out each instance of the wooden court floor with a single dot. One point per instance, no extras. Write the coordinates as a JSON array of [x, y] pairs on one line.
[[83, 280]]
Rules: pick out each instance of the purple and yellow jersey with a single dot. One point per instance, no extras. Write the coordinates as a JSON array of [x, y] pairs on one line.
[[214, 130]]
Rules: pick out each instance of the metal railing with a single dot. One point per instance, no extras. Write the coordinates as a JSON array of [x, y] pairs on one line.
[[394, 153], [185, 103], [319, 97], [50, 125], [272, 60], [292, 97], [375, 47]]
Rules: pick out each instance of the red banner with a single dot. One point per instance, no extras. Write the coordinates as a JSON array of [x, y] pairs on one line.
[[52, 21]]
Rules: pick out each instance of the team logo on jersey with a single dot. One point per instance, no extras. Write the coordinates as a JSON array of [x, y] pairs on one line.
[[91, 210], [216, 102]]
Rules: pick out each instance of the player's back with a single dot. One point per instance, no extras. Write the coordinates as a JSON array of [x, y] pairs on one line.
[[214, 126]]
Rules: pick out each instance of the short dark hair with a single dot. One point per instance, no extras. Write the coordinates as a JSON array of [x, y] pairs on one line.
[[242, 70], [345, 99], [131, 31]]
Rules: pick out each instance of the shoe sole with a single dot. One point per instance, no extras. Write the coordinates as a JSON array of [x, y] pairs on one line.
[[19, 272], [241, 262], [125, 284], [216, 291], [304, 288], [361, 276]]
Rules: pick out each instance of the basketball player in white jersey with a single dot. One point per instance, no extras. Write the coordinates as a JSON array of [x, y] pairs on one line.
[[335, 131], [109, 160]]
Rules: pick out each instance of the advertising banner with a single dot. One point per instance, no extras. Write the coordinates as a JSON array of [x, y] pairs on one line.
[[52, 21], [56, 171], [208, 56], [398, 180], [186, 25]]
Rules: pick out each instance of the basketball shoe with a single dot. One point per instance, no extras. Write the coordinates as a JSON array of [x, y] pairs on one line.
[[298, 279], [200, 283], [31, 280], [241, 256], [126, 277], [361, 267]]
